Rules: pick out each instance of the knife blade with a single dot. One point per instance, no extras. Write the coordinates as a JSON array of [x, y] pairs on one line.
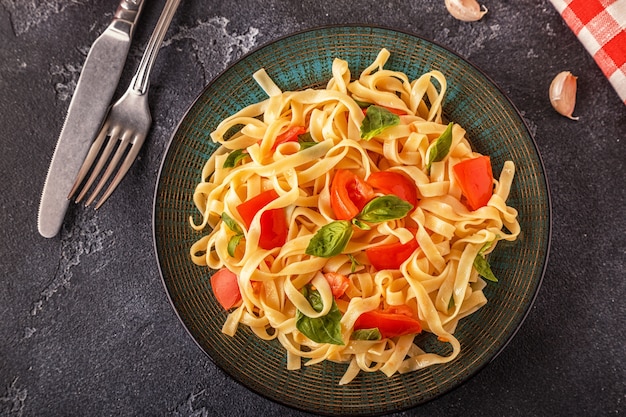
[[90, 102]]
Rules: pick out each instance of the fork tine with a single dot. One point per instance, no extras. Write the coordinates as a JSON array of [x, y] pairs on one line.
[[115, 160], [112, 140], [94, 150], [123, 169]]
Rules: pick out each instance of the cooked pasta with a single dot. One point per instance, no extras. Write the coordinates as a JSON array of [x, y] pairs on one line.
[[317, 272]]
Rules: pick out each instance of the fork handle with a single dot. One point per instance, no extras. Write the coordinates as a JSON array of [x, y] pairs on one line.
[[141, 79]]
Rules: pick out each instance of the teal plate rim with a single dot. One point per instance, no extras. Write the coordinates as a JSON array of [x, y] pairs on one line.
[[370, 395]]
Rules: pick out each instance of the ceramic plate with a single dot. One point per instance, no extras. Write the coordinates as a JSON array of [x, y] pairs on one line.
[[302, 60]]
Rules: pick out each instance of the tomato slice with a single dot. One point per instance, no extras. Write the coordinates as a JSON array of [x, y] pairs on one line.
[[226, 288], [248, 209], [274, 225], [391, 255], [339, 283], [348, 194], [274, 229], [290, 135], [475, 178], [388, 182], [390, 324]]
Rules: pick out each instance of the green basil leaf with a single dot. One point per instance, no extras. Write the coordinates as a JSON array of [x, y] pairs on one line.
[[363, 226], [306, 141], [376, 120], [451, 303], [354, 263], [325, 329], [441, 147], [362, 104], [233, 243], [234, 240], [484, 269], [234, 157], [313, 297], [487, 246], [367, 334], [387, 207], [330, 240], [231, 223]]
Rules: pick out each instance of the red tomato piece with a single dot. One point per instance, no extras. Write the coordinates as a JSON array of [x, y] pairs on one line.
[[274, 225], [401, 309], [339, 283], [396, 111], [290, 135], [274, 229], [348, 194], [388, 182], [257, 286], [248, 209], [475, 178], [391, 255], [226, 288], [388, 323]]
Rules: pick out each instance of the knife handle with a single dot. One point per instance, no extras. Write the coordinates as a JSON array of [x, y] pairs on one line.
[[126, 16]]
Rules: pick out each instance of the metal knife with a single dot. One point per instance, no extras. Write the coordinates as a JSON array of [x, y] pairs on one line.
[[89, 105]]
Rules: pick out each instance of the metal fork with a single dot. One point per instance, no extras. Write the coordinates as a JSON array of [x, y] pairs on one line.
[[127, 123]]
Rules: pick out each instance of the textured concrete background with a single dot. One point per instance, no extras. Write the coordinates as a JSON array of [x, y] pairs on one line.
[[85, 325]]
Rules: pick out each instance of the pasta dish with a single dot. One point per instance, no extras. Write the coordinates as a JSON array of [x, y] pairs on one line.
[[344, 221]]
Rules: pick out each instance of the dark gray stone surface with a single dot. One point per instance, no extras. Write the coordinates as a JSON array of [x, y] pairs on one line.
[[86, 328]]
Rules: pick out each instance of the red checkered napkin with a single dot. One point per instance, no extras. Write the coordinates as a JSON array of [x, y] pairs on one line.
[[601, 27]]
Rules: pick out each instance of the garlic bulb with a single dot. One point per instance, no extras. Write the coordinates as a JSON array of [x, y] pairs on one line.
[[563, 94], [465, 10]]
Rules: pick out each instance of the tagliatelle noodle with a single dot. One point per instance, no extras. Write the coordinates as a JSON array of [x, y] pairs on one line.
[[438, 280]]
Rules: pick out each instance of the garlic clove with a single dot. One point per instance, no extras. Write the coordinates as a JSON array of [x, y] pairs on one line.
[[563, 94], [465, 10]]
